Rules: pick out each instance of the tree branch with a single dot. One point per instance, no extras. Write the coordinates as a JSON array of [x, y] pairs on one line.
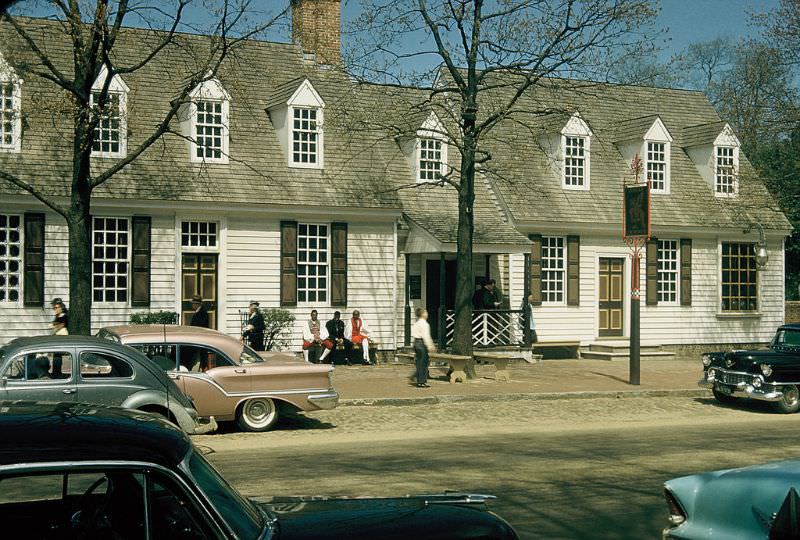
[[36, 192]]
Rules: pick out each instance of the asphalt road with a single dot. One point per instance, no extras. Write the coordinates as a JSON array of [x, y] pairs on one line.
[[582, 469]]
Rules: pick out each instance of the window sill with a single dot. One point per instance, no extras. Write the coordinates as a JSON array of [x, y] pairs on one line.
[[574, 188], [739, 315]]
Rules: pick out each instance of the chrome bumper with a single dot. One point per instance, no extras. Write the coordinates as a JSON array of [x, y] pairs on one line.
[[328, 400], [205, 425], [767, 391]]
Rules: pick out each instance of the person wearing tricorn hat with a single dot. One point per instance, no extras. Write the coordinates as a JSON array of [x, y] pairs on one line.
[[61, 317], [200, 315], [254, 330]]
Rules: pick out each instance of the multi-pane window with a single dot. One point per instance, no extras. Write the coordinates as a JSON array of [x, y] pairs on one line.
[[668, 271], [725, 171], [312, 263], [209, 130], [574, 161], [8, 115], [107, 132], [110, 260], [430, 159], [305, 136], [198, 234], [10, 257], [739, 277], [553, 269], [657, 166]]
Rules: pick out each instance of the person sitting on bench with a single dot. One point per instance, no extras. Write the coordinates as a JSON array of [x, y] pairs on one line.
[[315, 339], [336, 339], [357, 332]]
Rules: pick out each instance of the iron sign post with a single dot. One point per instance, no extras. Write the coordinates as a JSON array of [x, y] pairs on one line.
[[636, 232]]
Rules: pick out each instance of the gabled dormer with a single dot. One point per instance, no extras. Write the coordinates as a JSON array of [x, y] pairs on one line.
[[714, 149], [650, 139], [111, 131], [10, 109], [567, 142], [425, 150], [297, 113], [206, 123]]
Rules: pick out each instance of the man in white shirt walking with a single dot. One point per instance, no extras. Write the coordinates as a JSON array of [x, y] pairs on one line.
[[423, 344]]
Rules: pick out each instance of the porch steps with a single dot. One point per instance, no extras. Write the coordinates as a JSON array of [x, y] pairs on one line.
[[620, 350]]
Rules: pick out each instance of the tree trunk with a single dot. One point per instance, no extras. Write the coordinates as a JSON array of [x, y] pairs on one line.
[[80, 270], [465, 281]]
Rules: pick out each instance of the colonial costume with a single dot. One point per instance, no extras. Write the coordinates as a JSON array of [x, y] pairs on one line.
[[315, 337], [254, 330], [357, 332]]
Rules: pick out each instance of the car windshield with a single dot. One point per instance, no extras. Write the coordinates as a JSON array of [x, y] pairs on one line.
[[787, 338], [249, 356], [243, 518]]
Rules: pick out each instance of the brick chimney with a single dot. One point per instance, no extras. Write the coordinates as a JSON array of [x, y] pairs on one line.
[[316, 26]]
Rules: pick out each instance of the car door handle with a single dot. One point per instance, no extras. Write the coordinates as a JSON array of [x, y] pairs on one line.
[[68, 391], [240, 371]]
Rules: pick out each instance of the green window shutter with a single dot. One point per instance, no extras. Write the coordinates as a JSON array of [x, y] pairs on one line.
[[140, 275], [686, 271], [339, 264], [535, 283], [33, 266], [573, 270], [288, 263], [651, 272]]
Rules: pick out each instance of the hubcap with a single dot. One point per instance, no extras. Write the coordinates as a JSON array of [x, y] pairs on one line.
[[259, 412], [791, 395]]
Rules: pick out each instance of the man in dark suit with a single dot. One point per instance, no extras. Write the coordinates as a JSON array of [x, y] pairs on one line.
[[336, 339], [200, 315], [254, 329]]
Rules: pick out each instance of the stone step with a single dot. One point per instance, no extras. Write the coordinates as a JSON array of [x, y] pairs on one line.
[[621, 347], [625, 355]]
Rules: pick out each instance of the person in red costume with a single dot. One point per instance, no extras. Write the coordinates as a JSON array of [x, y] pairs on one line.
[[357, 332]]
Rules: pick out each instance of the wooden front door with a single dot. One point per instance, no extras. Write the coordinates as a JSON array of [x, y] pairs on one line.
[[612, 305], [199, 276], [432, 291]]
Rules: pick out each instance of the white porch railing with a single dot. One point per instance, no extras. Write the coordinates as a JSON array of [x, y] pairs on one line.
[[491, 328]]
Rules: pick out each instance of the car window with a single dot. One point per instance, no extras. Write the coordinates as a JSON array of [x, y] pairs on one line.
[[788, 338], [197, 358], [105, 334], [40, 366], [249, 356], [97, 504], [163, 355], [97, 365], [173, 515]]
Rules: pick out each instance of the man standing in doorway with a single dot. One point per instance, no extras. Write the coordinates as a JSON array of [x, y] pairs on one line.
[[200, 315], [254, 330]]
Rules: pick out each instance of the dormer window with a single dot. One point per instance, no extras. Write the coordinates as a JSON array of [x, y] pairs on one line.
[[207, 123], [430, 160], [10, 110], [305, 136], [657, 163], [110, 132], [726, 171], [575, 152]]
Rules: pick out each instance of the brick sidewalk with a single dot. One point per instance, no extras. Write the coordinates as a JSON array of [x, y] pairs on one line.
[[387, 381]]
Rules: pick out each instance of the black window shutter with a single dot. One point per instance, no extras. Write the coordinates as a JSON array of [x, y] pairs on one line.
[[288, 263], [573, 270], [339, 264], [686, 271], [535, 268], [33, 272], [140, 295], [651, 283]]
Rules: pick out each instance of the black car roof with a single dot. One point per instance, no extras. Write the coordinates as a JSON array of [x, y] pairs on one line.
[[36, 432], [791, 326], [64, 341]]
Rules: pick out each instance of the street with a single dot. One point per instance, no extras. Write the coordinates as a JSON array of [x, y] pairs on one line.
[[570, 468]]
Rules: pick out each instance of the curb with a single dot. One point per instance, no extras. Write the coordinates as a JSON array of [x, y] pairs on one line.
[[435, 400]]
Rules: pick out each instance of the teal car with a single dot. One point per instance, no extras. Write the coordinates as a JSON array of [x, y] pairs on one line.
[[758, 502]]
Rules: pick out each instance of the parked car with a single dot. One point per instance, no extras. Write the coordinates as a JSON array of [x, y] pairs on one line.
[[771, 375], [227, 379], [758, 502], [69, 471], [93, 370]]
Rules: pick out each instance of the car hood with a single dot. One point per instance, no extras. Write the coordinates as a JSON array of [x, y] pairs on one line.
[[734, 503], [418, 518], [743, 360]]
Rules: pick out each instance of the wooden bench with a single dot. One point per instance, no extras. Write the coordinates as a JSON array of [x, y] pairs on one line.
[[500, 361], [566, 344]]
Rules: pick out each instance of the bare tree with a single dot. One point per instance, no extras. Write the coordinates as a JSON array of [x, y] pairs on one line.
[[485, 57], [99, 43]]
